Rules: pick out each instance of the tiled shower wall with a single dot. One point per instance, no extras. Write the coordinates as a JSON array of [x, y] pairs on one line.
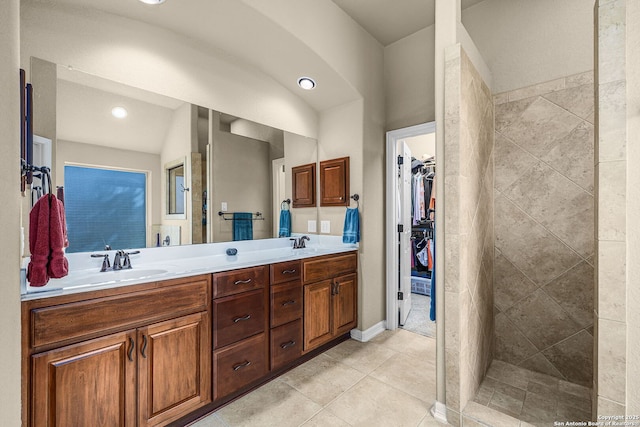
[[469, 235], [544, 225]]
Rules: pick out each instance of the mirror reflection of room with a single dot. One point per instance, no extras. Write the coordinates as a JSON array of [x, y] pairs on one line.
[[217, 162]]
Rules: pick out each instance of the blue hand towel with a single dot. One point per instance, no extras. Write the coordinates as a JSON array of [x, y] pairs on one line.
[[242, 226], [285, 223], [351, 233]]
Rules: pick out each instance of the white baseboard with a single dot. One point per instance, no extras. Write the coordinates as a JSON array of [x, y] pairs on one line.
[[439, 412], [364, 336]]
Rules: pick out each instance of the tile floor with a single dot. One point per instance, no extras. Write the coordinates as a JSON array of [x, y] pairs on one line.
[[532, 397], [389, 381], [418, 320]]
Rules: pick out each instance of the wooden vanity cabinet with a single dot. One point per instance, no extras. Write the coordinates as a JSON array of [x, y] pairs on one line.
[[137, 370], [240, 329], [286, 313], [330, 298]]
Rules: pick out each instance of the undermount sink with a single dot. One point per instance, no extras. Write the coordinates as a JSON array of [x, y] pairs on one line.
[[99, 278]]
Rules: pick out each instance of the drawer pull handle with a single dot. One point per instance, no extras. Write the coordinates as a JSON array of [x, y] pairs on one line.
[[286, 303], [144, 346], [130, 352], [241, 365], [289, 271], [243, 318], [287, 344], [242, 282]]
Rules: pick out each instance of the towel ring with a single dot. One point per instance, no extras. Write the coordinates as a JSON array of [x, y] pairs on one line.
[[356, 197], [287, 202]]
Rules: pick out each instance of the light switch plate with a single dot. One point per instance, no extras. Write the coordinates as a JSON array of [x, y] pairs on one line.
[[311, 226], [325, 226], [223, 206]]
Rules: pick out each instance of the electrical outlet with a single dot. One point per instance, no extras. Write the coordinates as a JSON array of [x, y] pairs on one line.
[[311, 226], [325, 226], [223, 206]]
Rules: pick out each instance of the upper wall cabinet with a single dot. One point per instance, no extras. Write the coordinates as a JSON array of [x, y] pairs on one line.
[[334, 182], [304, 186]]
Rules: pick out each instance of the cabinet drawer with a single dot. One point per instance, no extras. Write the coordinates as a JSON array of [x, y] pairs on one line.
[[322, 268], [239, 365], [285, 272], [237, 281], [86, 319], [286, 303], [238, 317], [286, 343]]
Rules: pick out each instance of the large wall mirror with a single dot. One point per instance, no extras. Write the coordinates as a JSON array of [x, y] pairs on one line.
[[140, 169]]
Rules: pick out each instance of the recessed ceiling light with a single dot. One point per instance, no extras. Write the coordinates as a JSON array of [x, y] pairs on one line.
[[152, 1], [306, 83], [119, 112]]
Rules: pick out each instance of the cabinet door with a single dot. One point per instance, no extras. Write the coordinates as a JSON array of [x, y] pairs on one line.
[[345, 304], [304, 185], [174, 368], [317, 314], [334, 182], [92, 383]]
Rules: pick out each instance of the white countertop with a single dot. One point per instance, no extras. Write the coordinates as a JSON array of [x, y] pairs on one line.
[[156, 264]]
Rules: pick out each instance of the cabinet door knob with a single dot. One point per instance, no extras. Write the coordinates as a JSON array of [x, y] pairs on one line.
[[242, 282], [337, 288], [241, 365], [286, 303], [287, 344], [289, 271], [241, 319], [130, 352], [144, 346]]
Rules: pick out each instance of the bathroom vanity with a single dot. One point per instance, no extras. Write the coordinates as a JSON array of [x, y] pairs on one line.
[[150, 353]]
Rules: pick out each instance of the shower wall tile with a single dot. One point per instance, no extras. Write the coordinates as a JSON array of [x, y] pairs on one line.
[[542, 320], [573, 357], [611, 41], [511, 162], [612, 200], [612, 280], [558, 204], [573, 291], [573, 156], [578, 100], [510, 285], [544, 222], [512, 346], [540, 125], [612, 360], [535, 251], [612, 132]]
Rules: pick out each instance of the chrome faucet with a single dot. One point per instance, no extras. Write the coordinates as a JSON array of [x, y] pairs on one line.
[[121, 260], [299, 243]]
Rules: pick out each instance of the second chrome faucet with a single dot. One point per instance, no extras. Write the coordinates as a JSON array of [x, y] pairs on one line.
[[299, 243], [121, 260]]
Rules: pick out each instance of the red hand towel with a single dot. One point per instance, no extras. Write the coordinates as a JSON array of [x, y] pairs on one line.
[[58, 265], [39, 242]]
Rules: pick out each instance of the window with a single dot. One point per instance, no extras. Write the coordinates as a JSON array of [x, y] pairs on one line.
[[105, 207]]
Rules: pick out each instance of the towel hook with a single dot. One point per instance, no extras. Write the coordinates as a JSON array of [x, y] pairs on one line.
[[282, 204], [356, 197]]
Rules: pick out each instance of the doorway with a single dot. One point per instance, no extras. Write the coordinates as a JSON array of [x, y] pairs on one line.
[[411, 166]]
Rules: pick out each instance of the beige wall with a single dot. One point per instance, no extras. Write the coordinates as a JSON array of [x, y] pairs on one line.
[[545, 228], [468, 232], [180, 141], [526, 42], [299, 150], [409, 80], [95, 155], [241, 177], [611, 308], [10, 215]]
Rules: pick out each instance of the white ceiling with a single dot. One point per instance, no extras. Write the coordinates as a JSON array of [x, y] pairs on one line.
[[84, 114], [391, 20]]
